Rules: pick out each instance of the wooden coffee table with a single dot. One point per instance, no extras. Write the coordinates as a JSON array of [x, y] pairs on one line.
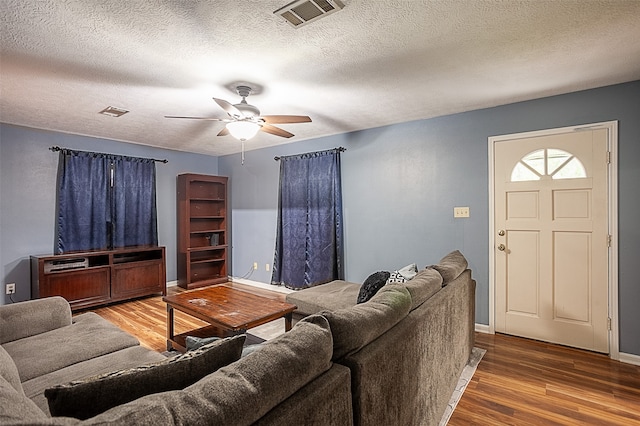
[[229, 311]]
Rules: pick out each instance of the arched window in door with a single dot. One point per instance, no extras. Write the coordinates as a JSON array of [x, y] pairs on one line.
[[549, 163]]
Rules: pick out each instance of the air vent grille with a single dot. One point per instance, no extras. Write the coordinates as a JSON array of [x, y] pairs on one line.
[[113, 111], [301, 12]]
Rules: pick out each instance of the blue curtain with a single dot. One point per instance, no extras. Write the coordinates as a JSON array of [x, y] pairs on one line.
[[309, 244], [83, 201], [105, 201], [134, 218]]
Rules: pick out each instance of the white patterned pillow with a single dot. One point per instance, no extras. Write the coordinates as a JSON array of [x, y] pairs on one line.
[[403, 275], [396, 278]]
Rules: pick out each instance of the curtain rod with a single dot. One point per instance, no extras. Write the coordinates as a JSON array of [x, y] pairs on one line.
[[339, 149], [57, 148]]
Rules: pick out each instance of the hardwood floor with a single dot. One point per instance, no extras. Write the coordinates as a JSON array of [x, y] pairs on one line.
[[147, 318], [526, 382], [518, 381]]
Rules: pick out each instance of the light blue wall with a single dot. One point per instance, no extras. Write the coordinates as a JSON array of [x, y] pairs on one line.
[[401, 182], [28, 189]]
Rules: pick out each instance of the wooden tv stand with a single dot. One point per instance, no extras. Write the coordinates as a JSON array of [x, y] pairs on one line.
[[99, 277]]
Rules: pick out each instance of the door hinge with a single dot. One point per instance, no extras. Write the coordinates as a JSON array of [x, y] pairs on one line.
[[608, 157], [609, 324], [609, 238]]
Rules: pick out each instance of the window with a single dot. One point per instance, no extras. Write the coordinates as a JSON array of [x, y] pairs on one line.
[[549, 163]]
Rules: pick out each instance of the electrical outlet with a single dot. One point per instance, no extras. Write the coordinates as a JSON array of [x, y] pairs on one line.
[[255, 265], [266, 267], [461, 212], [11, 288]]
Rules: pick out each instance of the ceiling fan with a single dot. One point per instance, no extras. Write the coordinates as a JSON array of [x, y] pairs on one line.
[[245, 120]]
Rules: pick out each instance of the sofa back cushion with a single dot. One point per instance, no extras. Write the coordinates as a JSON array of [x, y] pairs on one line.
[[450, 266], [87, 398], [242, 392], [353, 328], [24, 319], [16, 408], [9, 371], [424, 285]]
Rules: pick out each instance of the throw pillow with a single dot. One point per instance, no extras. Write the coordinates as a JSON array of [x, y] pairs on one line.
[[409, 271], [403, 275], [193, 342], [87, 398], [371, 285]]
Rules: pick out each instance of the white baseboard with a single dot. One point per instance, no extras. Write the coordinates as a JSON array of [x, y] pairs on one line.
[[482, 328], [626, 358], [270, 287], [172, 283], [630, 358]]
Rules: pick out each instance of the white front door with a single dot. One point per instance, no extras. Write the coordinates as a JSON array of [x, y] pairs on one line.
[[552, 240]]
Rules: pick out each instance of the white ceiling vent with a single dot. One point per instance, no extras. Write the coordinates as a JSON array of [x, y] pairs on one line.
[[113, 111], [301, 12]]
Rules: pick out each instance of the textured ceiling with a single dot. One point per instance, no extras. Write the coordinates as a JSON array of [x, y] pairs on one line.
[[371, 64]]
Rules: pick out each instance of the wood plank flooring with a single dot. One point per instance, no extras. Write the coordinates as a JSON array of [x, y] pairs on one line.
[[147, 318], [518, 381], [526, 382]]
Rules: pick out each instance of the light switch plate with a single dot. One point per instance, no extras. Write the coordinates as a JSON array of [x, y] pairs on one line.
[[461, 212]]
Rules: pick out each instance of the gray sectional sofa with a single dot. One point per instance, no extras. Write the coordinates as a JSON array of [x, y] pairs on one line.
[[392, 360]]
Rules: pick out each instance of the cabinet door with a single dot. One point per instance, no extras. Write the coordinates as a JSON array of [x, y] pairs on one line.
[[81, 288], [137, 279]]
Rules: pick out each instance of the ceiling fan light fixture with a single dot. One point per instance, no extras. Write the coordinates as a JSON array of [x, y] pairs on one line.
[[243, 130]]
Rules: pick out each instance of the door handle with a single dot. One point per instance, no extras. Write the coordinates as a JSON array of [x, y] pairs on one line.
[[501, 247]]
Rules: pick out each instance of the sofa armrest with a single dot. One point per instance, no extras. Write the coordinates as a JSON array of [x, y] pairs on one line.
[[24, 319]]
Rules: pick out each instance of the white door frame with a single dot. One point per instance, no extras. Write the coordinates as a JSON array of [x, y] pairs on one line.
[[612, 188]]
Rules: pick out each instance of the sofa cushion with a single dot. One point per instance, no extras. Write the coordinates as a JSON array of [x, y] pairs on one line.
[[87, 398], [24, 319], [67, 345], [9, 371], [131, 357], [16, 408], [424, 285], [244, 391], [330, 296], [450, 266], [355, 327], [371, 285]]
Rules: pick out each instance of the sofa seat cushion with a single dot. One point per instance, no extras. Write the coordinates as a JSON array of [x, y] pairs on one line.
[[424, 285], [242, 392], [87, 398], [16, 408], [450, 266], [353, 328], [330, 296], [131, 357], [88, 337]]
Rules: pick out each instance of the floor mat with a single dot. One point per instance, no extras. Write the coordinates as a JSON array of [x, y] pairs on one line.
[[465, 378]]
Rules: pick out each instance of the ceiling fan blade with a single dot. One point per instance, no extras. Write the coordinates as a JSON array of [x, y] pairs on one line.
[[197, 118], [284, 119], [224, 131], [229, 108], [268, 128]]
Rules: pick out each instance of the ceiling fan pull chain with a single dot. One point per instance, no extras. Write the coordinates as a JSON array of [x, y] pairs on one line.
[[242, 162]]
